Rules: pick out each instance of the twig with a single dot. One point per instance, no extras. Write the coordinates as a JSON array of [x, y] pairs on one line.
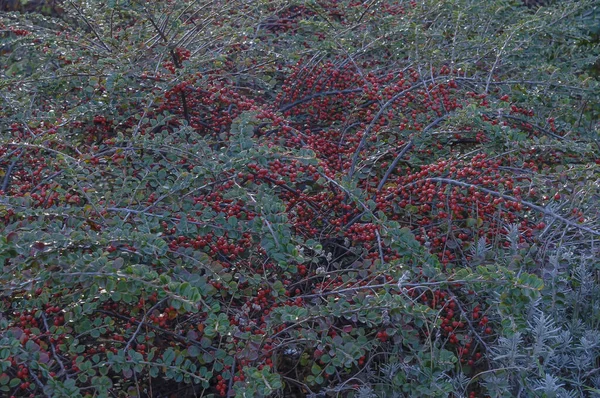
[[39, 383], [408, 145], [159, 329], [402, 286], [403, 152], [62, 366], [268, 225], [45, 180], [466, 317], [9, 172], [272, 232], [347, 192], [232, 370], [591, 372], [497, 61], [543, 130], [142, 322], [289, 189], [381, 257]]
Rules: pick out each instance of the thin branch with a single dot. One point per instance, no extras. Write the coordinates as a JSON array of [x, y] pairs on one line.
[[290, 190], [9, 172], [347, 192], [365, 136], [175, 58], [55, 355], [528, 82], [465, 315], [272, 232], [39, 383], [380, 246], [497, 61], [543, 130], [591, 373], [408, 145], [161, 330], [400, 285], [142, 322], [513, 199], [91, 27], [232, 370], [392, 167], [47, 179], [287, 107]]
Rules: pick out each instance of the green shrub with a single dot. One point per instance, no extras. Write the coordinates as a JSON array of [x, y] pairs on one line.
[[278, 198]]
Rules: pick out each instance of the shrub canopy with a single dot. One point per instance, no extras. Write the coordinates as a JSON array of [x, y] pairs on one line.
[[300, 198]]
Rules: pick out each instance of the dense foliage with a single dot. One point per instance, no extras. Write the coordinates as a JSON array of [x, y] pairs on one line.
[[328, 198]]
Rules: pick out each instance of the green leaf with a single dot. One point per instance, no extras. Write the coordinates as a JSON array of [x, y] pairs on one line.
[[315, 369]]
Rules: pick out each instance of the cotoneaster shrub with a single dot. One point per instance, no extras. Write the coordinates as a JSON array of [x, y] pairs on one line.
[[299, 198]]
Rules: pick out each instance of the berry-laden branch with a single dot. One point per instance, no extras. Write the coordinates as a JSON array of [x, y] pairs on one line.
[[309, 98], [310, 115], [175, 58], [403, 152], [533, 206], [383, 108]]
